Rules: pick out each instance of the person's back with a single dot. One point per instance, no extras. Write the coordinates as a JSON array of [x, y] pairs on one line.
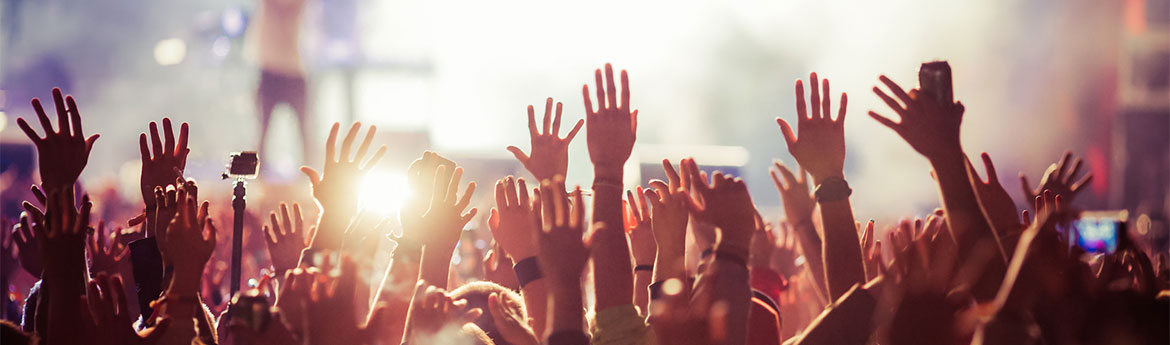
[[278, 25]]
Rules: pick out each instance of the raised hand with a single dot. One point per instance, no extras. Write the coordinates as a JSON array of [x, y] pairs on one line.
[[511, 220], [323, 307], [612, 128], [65, 227], [1059, 179], [996, 203], [669, 212], [512, 325], [820, 147], [563, 253], [167, 162], [497, 267], [420, 177], [285, 238], [63, 153], [108, 318], [550, 153], [190, 239], [724, 200], [639, 229], [930, 128], [445, 217], [798, 203], [336, 187], [105, 258], [28, 243]]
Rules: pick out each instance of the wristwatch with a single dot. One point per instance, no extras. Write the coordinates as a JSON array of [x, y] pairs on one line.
[[832, 189]]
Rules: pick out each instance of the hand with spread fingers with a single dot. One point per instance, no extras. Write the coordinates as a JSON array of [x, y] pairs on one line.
[[725, 200], [563, 252], [511, 324], [930, 128], [285, 237], [445, 218], [996, 203], [820, 147], [190, 239], [669, 213], [335, 188], [162, 161], [511, 220], [798, 202], [1059, 179], [639, 228], [432, 310], [28, 243], [62, 153], [611, 128], [549, 156], [103, 258]]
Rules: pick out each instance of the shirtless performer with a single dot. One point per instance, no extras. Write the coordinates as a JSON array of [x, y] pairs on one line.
[[282, 77]]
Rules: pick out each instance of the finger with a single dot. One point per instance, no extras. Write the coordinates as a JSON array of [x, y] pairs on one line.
[[285, 218], [182, 150], [156, 145], [1027, 187], [588, 104], [556, 126], [168, 137], [501, 195], [547, 115], [520, 156], [143, 149], [897, 90], [74, 116], [1064, 160], [1076, 169], [786, 130], [365, 146], [28, 130], [523, 194], [825, 101], [62, 113], [671, 174], [625, 90], [884, 121], [1077, 186], [789, 179], [46, 125], [890, 102], [577, 218], [453, 187], [991, 175], [611, 90], [814, 95], [632, 203], [347, 143], [298, 219], [801, 106], [313, 175], [841, 111], [38, 194], [269, 235], [510, 192], [601, 105], [377, 157], [573, 133], [331, 144], [532, 131]]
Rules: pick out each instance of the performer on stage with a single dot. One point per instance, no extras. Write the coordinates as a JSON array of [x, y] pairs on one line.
[[282, 76]]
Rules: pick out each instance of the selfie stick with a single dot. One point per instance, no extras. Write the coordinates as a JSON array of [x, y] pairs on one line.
[[238, 203]]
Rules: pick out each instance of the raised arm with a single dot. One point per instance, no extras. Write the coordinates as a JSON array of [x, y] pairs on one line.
[[64, 272], [62, 153], [549, 153], [642, 246], [820, 149], [563, 256], [610, 131], [798, 211], [336, 187], [186, 245], [444, 223], [512, 226], [932, 129], [669, 214]]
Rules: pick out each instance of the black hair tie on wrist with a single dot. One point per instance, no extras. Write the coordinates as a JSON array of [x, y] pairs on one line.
[[644, 268], [527, 271]]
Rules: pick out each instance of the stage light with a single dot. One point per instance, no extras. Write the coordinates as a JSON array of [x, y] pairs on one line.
[[232, 22], [170, 51], [383, 192], [221, 46]]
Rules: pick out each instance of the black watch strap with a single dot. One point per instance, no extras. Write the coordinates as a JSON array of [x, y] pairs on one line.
[[832, 189]]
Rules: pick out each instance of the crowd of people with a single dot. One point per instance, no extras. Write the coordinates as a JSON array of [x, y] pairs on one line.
[[609, 264]]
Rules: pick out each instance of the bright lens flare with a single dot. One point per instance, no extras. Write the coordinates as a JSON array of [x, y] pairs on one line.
[[384, 192]]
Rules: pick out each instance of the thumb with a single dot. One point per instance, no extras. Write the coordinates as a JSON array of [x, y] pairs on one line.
[[470, 315], [314, 177], [520, 156]]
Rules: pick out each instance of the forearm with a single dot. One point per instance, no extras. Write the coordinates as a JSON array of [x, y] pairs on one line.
[[843, 263], [611, 253], [436, 261], [535, 295], [401, 276], [62, 288], [330, 228], [810, 246], [642, 281], [728, 282], [963, 214], [181, 306], [567, 307]]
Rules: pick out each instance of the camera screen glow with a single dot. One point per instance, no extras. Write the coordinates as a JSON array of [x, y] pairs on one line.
[[1097, 235]]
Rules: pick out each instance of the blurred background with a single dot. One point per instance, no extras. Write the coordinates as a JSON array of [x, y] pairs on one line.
[[455, 76]]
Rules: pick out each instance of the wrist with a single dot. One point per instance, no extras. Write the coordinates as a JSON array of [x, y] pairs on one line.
[[607, 173], [185, 282], [817, 179]]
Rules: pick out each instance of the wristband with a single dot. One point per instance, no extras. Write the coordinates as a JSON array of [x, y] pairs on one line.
[[832, 189], [706, 252], [527, 271], [643, 268]]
